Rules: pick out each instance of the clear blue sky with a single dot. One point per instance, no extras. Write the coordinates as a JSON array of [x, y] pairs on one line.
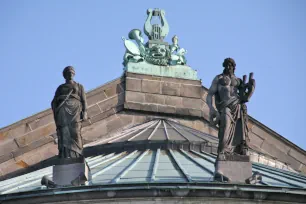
[[268, 37]]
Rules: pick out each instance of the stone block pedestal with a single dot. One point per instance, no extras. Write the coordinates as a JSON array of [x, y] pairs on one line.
[[233, 170], [74, 174]]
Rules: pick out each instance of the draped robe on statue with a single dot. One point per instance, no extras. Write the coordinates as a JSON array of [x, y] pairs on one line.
[[233, 130], [68, 105]]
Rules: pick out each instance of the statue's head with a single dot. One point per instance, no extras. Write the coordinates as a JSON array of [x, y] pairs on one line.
[[175, 40], [229, 65], [69, 73]]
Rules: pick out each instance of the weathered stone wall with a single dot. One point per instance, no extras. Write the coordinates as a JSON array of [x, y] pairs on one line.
[[273, 144], [163, 95]]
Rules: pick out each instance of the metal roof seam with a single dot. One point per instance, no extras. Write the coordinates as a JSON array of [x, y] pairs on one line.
[[179, 132], [129, 167], [122, 134], [203, 157], [285, 176], [19, 179], [264, 183], [280, 180], [155, 165], [194, 134], [184, 172], [21, 186], [127, 134], [142, 131], [152, 133], [113, 164], [301, 176], [165, 128], [196, 162], [195, 130], [97, 158], [108, 159]]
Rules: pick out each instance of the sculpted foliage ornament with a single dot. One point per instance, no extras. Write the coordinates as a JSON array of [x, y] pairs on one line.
[[155, 51]]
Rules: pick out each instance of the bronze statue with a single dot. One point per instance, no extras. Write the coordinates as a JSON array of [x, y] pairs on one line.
[[231, 94], [69, 108]]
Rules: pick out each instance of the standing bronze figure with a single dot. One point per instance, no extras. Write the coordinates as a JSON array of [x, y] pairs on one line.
[[69, 108], [231, 94]]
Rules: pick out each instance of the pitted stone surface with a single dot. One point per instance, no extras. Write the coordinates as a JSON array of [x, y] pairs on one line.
[[93, 110], [236, 171], [98, 97], [134, 96], [151, 86], [64, 174], [174, 101], [133, 84], [169, 88], [154, 98], [191, 91]]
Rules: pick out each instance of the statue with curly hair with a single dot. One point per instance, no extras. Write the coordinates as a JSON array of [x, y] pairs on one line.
[[231, 94], [69, 108]]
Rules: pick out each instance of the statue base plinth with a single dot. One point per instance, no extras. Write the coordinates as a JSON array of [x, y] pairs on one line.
[[71, 174], [233, 170]]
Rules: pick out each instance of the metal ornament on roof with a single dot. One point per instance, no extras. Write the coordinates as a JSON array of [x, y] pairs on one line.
[[155, 51], [156, 31]]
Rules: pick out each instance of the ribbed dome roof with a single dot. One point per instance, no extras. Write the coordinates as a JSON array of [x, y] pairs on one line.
[[159, 152], [157, 130], [158, 166], [154, 134]]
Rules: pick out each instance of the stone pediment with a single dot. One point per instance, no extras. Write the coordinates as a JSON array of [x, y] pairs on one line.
[[31, 143]]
